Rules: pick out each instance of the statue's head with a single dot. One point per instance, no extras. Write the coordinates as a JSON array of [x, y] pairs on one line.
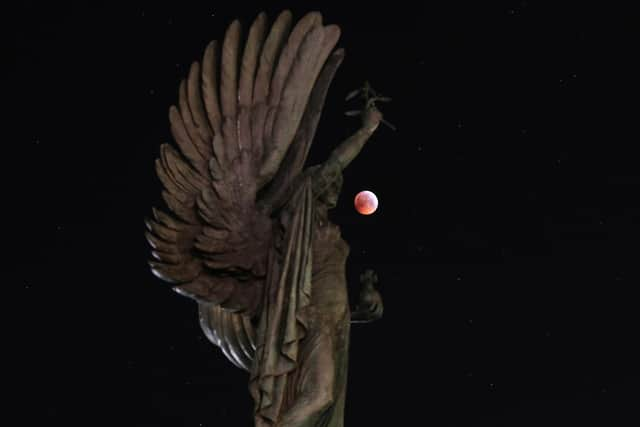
[[331, 194]]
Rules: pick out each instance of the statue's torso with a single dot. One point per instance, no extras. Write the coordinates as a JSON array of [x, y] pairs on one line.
[[329, 295]]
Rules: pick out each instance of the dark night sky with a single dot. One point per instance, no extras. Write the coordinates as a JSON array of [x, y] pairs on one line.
[[507, 238]]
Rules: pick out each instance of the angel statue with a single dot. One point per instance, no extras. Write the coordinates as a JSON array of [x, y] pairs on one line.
[[248, 236]]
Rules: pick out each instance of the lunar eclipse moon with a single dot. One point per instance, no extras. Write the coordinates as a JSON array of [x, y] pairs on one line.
[[366, 202]]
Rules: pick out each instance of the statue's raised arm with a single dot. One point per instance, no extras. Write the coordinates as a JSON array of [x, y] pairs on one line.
[[247, 235], [348, 150]]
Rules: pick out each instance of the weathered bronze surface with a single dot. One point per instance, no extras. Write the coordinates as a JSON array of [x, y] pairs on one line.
[[248, 236]]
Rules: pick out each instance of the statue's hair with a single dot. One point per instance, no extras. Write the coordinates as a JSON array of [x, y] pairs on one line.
[[336, 183]]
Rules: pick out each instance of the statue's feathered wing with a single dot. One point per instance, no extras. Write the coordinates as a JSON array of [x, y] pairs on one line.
[[243, 127]]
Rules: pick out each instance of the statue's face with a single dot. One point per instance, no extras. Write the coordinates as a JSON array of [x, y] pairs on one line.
[[330, 197]]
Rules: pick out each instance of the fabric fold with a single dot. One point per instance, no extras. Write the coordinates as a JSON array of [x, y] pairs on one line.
[[284, 319]]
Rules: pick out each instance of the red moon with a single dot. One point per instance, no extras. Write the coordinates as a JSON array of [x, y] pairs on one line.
[[366, 202]]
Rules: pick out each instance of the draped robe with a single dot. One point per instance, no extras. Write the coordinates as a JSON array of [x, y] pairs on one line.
[[303, 330]]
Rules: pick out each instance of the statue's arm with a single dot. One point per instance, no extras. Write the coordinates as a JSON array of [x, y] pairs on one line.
[[346, 151]]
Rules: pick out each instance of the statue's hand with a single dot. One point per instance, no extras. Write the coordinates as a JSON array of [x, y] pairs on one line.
[[370, 306], [368, 277], [371, 118]]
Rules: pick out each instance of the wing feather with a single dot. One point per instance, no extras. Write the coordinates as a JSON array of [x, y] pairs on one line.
[[309, 22], [272, 47], [206, 323], [209, 211], [187, 118], [170, 184], [225, 339], [230, 136], [176, 273], [244, 138], [313, 55], [172, 223], [184, 212], [180, 170], [229, 71], [233, 346], [169, 257], [258, 120], [159, 244], [165, 233], [212, 247], [214, 290], [210, 96], [243, 339], [198, 113], [221, 261], [216, 170], [250, 58], [215, 233], [183, 139], [249, 332]]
